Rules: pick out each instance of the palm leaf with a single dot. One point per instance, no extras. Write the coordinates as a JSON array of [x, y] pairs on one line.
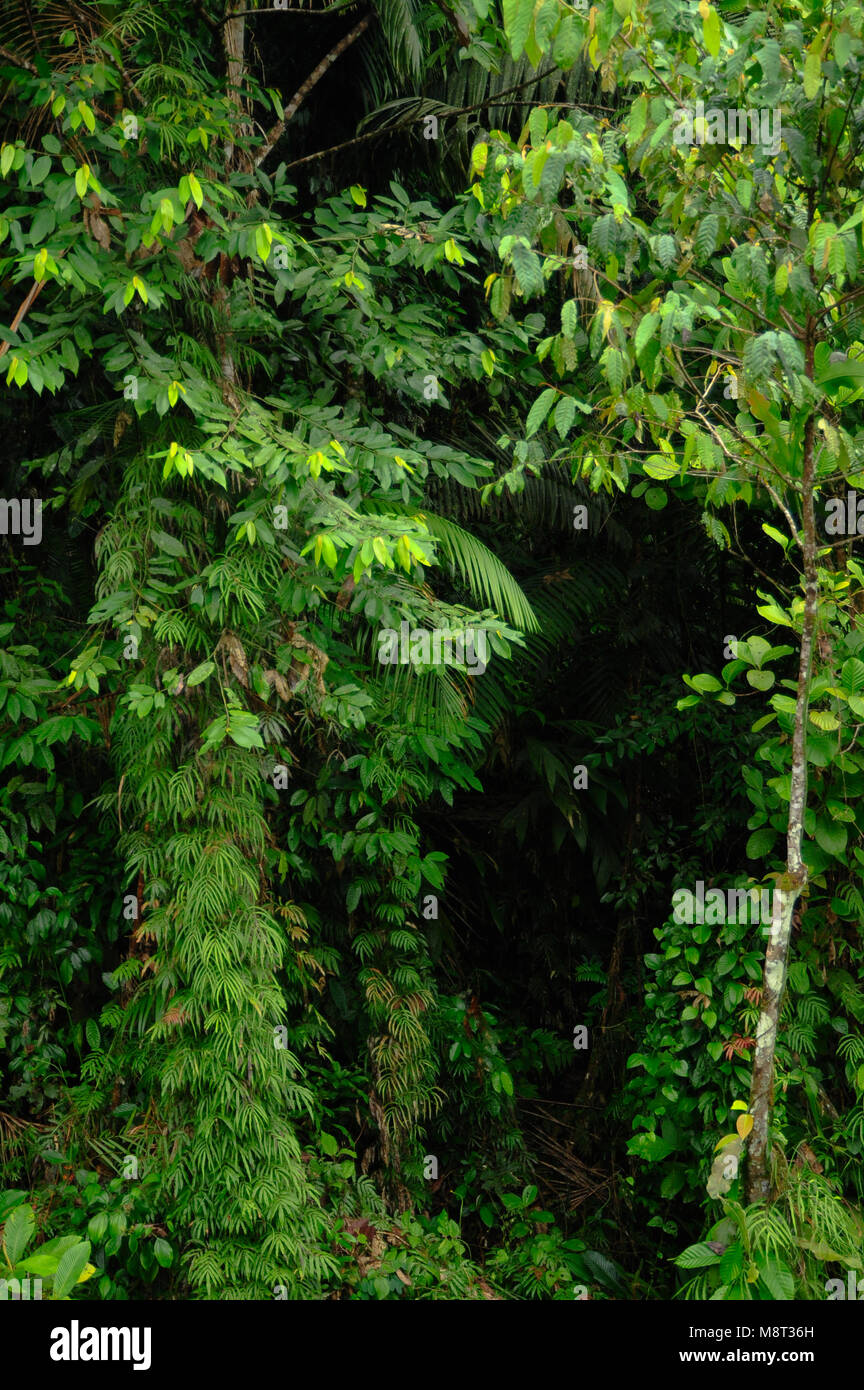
[[481, 569], [402, 34], [486, 576]]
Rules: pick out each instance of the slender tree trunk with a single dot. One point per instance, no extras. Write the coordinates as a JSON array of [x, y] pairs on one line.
[[234, 41], [792, 883]]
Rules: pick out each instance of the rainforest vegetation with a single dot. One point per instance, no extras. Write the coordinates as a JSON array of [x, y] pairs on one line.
[[431, 671]]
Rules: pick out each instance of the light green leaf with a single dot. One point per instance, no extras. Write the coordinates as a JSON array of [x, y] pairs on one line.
[[761, 680], [17, 1232], [656, 466], [646, 330], [565, 413], [539, 410], [852, 674], [712, 32], [813, 69], [70, 1267], [201, 673], [778, 1280], [697, 1256]]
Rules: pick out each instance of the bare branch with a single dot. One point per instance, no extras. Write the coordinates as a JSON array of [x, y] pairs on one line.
[[445, 113], [15, 60], [314, 77]]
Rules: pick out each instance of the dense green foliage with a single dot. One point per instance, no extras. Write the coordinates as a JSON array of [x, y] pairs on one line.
[[328, 975]]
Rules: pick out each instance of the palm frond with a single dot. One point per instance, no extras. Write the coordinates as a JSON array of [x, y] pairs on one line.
[[486, 576], [400, 27], [484, 573]]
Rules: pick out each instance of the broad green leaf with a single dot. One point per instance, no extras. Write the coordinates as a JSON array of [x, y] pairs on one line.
[[70, 1267], [168, 543], [778, 1280], [760, 843], [813, 70], [852, 674], [697, 1256], [638, 118], [774, 614], [163, 1252], [644, 333], [17, 1231], [568, 42], [761, 680], [517, 24], [40, 1264], [97, 1227], [832, 836], [564, 415], [712, 31], [824, 719], [660, 468], [41, 169], [201, 673], [539, 410]]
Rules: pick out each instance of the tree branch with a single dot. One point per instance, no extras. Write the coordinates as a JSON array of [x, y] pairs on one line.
[[15, 60], [32, 295], [445, 114], [314, 77]]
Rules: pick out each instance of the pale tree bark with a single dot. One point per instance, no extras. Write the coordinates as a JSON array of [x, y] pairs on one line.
[[791, 884], [234, 43]]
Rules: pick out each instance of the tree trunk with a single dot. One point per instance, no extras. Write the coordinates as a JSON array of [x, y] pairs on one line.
[[234, 42], [792, 883]]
